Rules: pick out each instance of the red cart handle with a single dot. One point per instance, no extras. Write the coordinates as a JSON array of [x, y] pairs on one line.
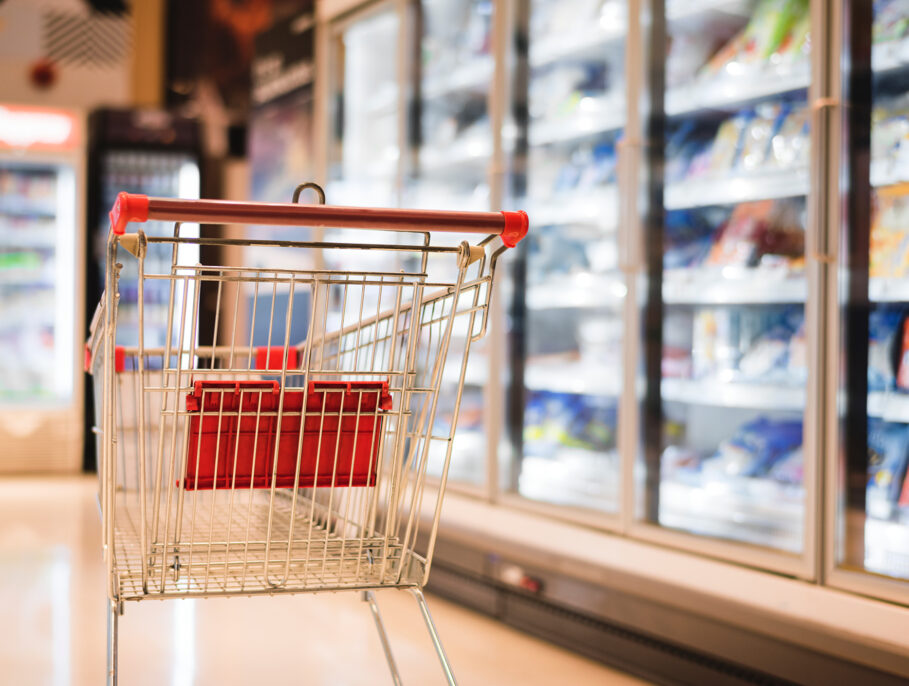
[[130, 207]]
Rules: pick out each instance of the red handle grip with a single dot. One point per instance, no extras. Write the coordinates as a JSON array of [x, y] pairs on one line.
[[129, 207]]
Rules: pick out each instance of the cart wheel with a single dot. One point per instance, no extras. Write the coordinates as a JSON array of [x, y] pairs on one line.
[[309, 185]]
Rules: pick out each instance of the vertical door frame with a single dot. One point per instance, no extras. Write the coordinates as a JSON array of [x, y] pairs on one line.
[[804, 565], [840, 290]]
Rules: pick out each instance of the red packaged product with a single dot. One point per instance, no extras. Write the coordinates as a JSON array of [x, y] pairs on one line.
[[232, 438], [902, 374], [904, 496]]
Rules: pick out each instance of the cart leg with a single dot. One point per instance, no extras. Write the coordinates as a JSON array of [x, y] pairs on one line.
[[370, 597], [113, 616], [434, 634]]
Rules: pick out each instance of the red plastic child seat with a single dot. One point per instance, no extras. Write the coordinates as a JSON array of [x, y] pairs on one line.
[[231, 443]]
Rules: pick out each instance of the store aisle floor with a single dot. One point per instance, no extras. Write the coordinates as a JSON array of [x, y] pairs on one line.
[[52, 600]]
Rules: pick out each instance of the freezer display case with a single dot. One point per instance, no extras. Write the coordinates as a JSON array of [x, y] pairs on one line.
[[570, 293], [153, 153], [872, 486], [449, 169], [722, 430], [365, 147], [41, 175]]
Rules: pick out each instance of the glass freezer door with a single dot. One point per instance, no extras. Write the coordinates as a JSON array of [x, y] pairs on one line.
[[37, 275], [568, 288], [725, 357], [365, 147], [154, 173], [453, 152], [870, 481]]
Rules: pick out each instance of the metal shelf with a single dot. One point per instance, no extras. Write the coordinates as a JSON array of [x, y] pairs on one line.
[[887, 547], [455, 156], [734, 286], [597, 206], [580, 291], [889, 406], [740, 395], [17, 206], [685, 10], [752, 510], [730, 92], [573, 377], [575, 44], [27, 238], [890, 55], [474, 75], [731, 190], [888, 173], [610, 117], [888, 290]]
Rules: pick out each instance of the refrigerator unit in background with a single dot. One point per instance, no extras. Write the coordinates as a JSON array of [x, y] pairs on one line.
[[705, 330], [448, 168], [569, 293], [153, 153], [723, 441], [870, 544], [364, 145], [41, 275]]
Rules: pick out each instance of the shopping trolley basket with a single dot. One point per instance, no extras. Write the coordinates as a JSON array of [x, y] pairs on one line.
[[234, 460]]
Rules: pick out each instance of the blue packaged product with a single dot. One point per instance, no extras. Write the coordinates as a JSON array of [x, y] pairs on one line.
[[688, 237], [565, 420], [756, 447], [883, 325], [888, 452], [789, 469]]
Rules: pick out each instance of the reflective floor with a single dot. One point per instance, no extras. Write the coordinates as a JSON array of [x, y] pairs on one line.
[[53, 629]]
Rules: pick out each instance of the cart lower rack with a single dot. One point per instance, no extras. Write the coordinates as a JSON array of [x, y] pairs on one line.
[[235, 459]]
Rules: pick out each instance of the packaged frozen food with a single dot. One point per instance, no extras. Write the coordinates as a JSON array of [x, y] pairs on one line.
[[791, 142], [796, 46], [755, 448], [677, 333], [757, 135], [904, 496], [758, 229], [883, 325], [797, 359], [727, 145], [789, 469], [888, 451], [681, 464], [556, 420], [890, 130], [891, 20], [902, 370], [772, 25], [688, 236], [889, 242], [704, 343], [687, 53]]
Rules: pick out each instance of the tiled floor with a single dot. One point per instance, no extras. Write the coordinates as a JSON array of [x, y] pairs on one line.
[[53, 629]]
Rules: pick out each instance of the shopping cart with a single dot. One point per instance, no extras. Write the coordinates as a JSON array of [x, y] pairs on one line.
[[234, 460]]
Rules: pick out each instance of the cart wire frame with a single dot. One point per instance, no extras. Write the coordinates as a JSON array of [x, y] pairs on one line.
[[404, 333]]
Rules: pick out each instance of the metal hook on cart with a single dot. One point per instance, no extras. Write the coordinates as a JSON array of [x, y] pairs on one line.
[[309, 185]]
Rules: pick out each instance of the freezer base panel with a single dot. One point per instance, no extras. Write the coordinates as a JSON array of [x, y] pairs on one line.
[[40, 442], [655, 625]]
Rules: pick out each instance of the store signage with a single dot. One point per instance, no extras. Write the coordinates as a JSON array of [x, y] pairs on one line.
[[283, 62], [37, 129]]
